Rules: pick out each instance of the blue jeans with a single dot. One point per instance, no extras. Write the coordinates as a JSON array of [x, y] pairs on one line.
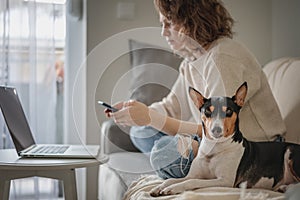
[[162, 149]]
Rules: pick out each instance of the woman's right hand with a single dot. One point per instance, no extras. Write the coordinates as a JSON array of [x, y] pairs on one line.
[[118, 106], [131, 113]]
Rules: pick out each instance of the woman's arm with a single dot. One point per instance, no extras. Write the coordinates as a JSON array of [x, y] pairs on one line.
[[134, 113], [171, 125]]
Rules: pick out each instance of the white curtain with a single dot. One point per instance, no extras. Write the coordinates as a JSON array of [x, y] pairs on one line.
[[31, 45]]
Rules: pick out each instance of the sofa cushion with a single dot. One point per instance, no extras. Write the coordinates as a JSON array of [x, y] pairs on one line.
[[154, 70], [130, 162], [283, 77]]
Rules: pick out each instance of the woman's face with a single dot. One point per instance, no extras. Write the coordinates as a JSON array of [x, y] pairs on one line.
[[170, 32]]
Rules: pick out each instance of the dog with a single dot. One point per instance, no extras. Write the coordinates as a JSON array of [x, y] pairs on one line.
[[226, 159]]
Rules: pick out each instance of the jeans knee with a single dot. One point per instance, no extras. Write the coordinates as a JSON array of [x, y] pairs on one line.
[[167, 161], [143, 137]]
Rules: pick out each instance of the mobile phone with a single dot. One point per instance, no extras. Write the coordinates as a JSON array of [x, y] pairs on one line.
[[109, 107]]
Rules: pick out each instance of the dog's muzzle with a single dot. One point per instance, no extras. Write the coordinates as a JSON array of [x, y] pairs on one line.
[[217, 128]]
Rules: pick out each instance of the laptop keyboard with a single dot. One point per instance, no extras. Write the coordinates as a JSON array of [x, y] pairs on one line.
[[51, 149]]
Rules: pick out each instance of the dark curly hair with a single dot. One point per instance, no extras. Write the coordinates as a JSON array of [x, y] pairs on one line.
[[202, 20]]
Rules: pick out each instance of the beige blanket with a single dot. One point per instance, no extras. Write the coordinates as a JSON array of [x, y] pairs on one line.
[[139, 190]]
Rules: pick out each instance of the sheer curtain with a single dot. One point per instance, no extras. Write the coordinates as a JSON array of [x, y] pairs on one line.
[[31, 44], [31, 47]]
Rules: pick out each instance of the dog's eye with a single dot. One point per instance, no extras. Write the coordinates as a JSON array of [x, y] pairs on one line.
[[229, 112], [207, 112]]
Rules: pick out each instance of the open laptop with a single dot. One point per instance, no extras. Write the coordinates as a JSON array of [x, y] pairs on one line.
[[22, 136]]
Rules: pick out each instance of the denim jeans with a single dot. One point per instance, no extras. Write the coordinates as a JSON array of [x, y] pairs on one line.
[[162, 149], [143, 137]]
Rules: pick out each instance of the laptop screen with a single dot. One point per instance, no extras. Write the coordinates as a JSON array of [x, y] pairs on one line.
[[15, 118]]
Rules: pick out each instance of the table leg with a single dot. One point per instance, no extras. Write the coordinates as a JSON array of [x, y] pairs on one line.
[[60, 188], [92, 182], [69, 181], [4, 189]]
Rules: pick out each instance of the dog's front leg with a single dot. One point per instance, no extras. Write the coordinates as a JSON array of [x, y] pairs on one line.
[[192, 184], [157, 191]]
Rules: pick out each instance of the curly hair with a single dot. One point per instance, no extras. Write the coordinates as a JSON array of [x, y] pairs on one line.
[[202, 20]]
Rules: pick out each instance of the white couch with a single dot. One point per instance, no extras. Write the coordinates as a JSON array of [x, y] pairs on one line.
[[127, 164], [284, 78]]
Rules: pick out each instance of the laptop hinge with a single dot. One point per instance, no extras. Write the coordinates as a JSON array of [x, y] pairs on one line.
[[28, 149]]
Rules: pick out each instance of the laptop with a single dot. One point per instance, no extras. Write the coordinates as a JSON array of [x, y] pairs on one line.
[[23, 139]]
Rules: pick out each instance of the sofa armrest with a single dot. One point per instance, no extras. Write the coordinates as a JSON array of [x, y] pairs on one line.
[[114, 139]]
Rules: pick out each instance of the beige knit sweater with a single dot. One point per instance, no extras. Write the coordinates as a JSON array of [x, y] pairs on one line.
[[218, 72]]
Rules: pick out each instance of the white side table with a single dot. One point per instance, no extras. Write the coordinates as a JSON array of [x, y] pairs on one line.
[[14, 167]]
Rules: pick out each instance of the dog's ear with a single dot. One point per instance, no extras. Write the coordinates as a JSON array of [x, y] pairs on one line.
[[240, 95], [197, 97]]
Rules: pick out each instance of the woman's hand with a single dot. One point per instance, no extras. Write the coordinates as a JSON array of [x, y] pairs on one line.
[[131, 113], [134, 113], [118, 106]]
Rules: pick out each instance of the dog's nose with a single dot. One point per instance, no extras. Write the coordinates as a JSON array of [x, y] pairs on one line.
[[217, 131]]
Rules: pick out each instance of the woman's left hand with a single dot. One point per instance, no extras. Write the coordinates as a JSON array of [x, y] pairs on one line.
[[133, 113]]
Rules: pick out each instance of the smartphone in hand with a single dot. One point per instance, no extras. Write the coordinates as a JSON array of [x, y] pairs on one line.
[[109, 107]]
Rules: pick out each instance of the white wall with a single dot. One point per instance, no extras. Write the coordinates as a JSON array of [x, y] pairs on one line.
[[285, 28], [253, 25]]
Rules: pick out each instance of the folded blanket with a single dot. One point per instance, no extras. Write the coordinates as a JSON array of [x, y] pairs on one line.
[[139, 190]]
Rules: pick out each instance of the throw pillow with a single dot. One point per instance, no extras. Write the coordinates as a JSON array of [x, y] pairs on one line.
[[154, 71]]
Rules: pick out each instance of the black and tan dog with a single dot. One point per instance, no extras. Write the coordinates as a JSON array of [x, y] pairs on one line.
[[226, 158]]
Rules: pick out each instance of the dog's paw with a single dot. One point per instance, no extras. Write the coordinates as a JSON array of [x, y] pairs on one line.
[[156, 191], [160, 189], [172, 189]]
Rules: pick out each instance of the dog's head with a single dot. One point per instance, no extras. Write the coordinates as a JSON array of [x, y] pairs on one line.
[[219, 115]]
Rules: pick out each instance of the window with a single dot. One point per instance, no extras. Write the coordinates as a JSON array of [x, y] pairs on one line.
[[32, 42]]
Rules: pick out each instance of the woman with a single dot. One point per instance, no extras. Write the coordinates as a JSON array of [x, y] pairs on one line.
[[215, 65]]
